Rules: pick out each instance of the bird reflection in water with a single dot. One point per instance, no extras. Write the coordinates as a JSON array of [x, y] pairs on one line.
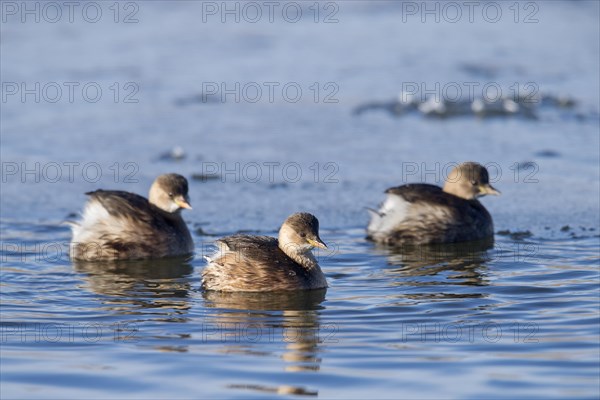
[[133, 287], [251, 323], [439, 264]]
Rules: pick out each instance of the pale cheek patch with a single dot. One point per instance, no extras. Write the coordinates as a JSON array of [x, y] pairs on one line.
[[173, 207]]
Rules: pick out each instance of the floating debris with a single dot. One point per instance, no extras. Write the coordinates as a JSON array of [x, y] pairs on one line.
[[518, 235], [440, 108], [282, 390], [565, 228], [201, 98], [175, 154], [558, 101], [502, 107], [205, 177], [437, 106], [547, 153], [278, 185], [525, 165]]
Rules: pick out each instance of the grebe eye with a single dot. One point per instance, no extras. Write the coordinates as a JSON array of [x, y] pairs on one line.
[[171, 194], [474, 183]]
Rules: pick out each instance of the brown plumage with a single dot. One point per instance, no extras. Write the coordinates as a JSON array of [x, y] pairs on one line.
[[424, 214], [122, 225], [261, 263]]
